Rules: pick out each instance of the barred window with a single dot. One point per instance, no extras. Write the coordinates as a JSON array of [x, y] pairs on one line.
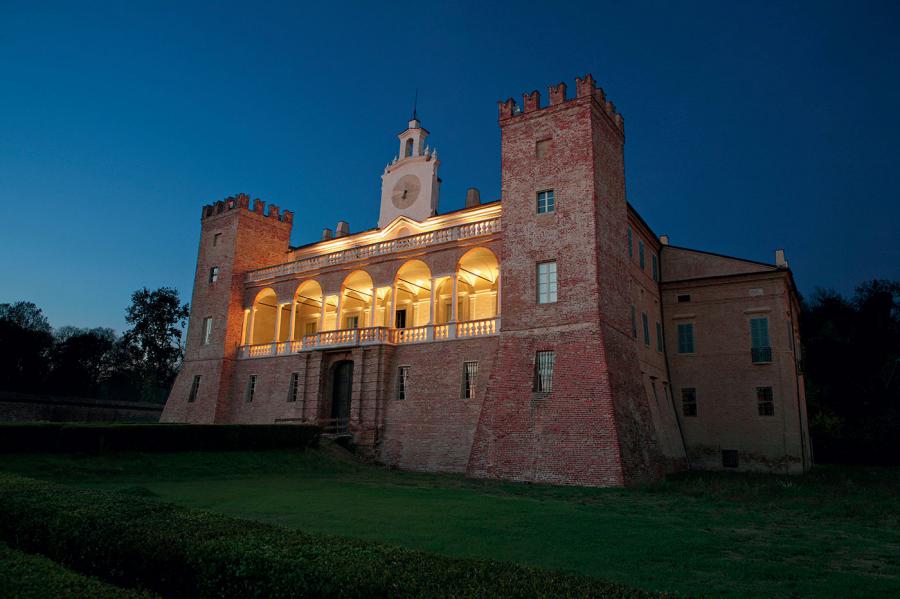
[[195, 387], [545, 202], [659, 337], [765, 401], [294, 386], [402, 381], [543, 371], [207, 330], [686, 338], [689, 401], [546, 282], [213, 274], [251, 388], [646, 326], [470, 372], [641, 254]]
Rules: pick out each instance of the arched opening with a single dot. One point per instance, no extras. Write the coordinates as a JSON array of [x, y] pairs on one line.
[[412, 307], [357, 293], [307, 319], [409, 148], [262, 318], [478, 286]]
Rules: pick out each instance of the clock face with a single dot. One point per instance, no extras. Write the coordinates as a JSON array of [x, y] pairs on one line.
[[406, 191]]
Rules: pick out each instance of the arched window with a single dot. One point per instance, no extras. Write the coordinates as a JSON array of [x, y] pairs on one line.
[[409, 147]]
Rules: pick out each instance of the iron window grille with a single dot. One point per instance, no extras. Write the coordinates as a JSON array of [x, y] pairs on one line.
[[470, 373], [251, 388], [543, 371], [402, 381], [294, 386]]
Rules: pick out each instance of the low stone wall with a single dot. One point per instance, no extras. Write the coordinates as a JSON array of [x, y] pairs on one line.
[[25, 407]]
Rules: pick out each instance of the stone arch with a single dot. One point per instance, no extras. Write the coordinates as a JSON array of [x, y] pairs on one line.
[[478, 284], [262, 317], [309, 301], [412, 284], [355, 307]]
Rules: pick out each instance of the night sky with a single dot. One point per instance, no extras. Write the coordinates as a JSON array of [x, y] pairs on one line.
[[750, 126]]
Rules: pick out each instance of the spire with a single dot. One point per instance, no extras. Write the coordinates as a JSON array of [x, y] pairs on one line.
[[415, 105]]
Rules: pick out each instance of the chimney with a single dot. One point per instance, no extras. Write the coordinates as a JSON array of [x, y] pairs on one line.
[[780, 262], [664, 239], [327, 234], [473, 197], [342, 229]]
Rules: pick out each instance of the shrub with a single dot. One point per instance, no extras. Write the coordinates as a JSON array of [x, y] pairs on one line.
[[180, 552], [26, 576], [59, 437]]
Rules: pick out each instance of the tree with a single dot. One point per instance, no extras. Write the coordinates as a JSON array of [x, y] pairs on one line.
[[852, 365], [81, 360], [25, 343], [151, 348]]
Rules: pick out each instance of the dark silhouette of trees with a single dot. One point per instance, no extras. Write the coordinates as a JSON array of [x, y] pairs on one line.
[[852, 366], [25, 345], [81, 360]]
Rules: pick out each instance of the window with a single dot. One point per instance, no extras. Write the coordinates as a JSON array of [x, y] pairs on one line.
[[409, 147], [646, 327], [633, 323], [689, 401], [470, 371], [684, 298], [729, 458], [251, 388], [352, 322], [641, 254], [546, 279], [310, 328], [545, 202], [216, 238], [207, 330], [760, 350], [195, 386], [402, 381], [400, 319], [293, 387], [213, 274], [543, 371], [654, 265], [686, 338], [630, 242], [659, 337], [765, 402]]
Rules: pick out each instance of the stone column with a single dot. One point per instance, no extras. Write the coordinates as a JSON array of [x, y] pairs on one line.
[[250, 326], [453, 306], [321, 314], [370, 317], [245, 327], [278, 308], [293, 320], [392, 321], [337, 316]]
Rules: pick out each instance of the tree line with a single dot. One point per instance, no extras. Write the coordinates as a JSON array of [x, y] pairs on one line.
[[138, 365]]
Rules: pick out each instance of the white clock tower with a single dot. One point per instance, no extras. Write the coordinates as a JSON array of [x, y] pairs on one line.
[[410, 184]]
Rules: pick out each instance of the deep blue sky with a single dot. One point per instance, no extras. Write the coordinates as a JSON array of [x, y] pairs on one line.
[[750, 126]]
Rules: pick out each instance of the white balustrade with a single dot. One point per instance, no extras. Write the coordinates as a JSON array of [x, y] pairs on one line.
[[466, 231]]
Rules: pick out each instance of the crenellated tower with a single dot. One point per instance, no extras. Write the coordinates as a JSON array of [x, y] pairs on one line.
[[565, 302], [236, 236]]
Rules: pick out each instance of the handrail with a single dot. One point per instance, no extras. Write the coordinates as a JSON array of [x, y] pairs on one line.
[[463, 231], [375, 336]]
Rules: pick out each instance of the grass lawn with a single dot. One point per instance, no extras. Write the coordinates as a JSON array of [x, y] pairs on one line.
[[833, 533]]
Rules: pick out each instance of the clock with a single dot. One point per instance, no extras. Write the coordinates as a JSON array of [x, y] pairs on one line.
[[406, 191]]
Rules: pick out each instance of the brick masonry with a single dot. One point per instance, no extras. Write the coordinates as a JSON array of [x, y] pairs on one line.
[[614, 415]]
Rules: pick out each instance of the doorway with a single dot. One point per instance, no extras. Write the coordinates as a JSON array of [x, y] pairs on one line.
[[341, 387]]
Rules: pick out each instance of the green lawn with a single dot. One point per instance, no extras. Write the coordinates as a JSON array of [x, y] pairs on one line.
[[833, 533]]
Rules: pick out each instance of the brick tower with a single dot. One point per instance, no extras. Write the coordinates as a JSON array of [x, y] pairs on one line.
[[593, 426], [234, 237]]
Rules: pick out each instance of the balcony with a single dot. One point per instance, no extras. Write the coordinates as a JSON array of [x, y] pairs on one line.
[[375, 336], [761, 355], [393, 246]]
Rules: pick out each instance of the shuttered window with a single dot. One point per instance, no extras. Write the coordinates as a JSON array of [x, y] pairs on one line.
[[686, 338], [689, 401], [765, 401], [646, 326], [659, 337]]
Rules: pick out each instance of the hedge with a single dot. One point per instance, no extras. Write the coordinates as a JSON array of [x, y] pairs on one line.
[[26, 576], [180, 552], [60, 437]]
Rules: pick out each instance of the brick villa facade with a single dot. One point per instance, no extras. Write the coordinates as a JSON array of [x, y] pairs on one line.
[[550, 336]]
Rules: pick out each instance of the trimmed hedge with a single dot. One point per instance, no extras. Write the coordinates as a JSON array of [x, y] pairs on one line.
[[180, 552], [94, 438], [26, 576]]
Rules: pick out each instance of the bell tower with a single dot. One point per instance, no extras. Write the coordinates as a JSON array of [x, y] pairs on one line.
[[410, 183]]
